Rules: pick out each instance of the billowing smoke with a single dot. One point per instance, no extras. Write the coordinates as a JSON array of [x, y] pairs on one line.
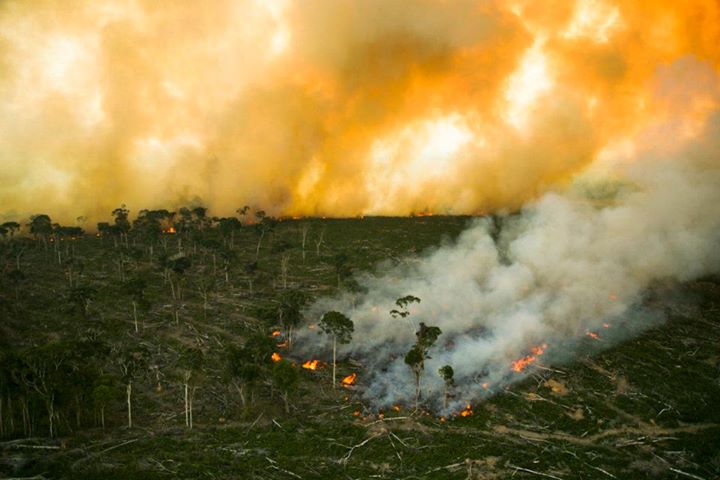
[[326, 107], [573, 265]]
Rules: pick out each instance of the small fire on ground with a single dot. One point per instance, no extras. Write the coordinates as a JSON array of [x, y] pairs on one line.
[[349, 380], [521, 364], [275, 357], [312, 364]]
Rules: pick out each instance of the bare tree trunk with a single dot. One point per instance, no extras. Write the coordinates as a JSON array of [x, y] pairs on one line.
[[284, 261], [102, 417], [51, 415], [128, 390], [334, 360], [187, 403], [257, 250], [214, 257], [287, 403], [134, 304], [319, 242], [192, 400], [305, 229]]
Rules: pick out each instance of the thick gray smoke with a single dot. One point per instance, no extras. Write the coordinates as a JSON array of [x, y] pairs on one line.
[[564, 267]]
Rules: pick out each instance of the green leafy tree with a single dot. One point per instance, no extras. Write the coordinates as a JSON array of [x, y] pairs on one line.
[[290, 311], [448, 375], [286, 378], [122, 223], [245, 365], [41, 227], [340, 328], [342, 267], [10, 228], [415, 358], [80, 298], [103, 395]]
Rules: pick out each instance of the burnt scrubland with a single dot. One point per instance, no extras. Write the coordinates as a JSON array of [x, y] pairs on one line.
[[145, 351]]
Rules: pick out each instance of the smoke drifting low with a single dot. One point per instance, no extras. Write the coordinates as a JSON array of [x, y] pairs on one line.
[[326, 107], [566, 267]]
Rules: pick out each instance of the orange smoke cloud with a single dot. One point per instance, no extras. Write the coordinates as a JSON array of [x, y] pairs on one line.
[[333, 108]]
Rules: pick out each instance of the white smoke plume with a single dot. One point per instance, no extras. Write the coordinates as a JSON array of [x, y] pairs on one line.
[[563, 267]]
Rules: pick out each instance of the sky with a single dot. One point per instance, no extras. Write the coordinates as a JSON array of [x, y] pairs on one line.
[[338, 107]]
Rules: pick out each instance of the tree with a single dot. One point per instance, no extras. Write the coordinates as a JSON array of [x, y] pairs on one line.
[[80, 298], [340, 328], [264, 226], [9, 228], [447, 373], [415, 358], [130, 360], [342, 269], [103, 394], [190, 361], [244, 365], [228, 226], [122, 224], [289, 311], [402, 311], [285, 377], [41, 227], [135, 288]]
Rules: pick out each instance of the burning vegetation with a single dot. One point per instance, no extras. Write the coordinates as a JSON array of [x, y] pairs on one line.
[[522, 363], [349, 380]]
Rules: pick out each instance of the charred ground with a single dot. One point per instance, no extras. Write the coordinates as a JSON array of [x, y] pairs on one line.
[[646, 408]]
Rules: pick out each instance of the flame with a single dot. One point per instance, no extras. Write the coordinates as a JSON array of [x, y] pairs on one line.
[[396, 408], [349, 380], [282, 344], [170, 230], [276, 333], [522, 364], [356, 413], [312, 364], [593, 335], [275, 357], [467, 411], [485, 385], [442, 419]]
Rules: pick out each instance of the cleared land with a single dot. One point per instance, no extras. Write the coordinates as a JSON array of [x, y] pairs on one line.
[[647, 408]]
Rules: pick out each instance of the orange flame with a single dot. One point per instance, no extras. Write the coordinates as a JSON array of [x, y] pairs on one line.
[[356, 413], [276, 333], [593, 335], [275, 357], [169, 230], [467, 412], [349, 380], [522, 364], [282, 344], [396, 408], [485, 385], [312, 364]]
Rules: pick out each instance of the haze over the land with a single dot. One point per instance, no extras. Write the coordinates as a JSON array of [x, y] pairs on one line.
[[336, 107]]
